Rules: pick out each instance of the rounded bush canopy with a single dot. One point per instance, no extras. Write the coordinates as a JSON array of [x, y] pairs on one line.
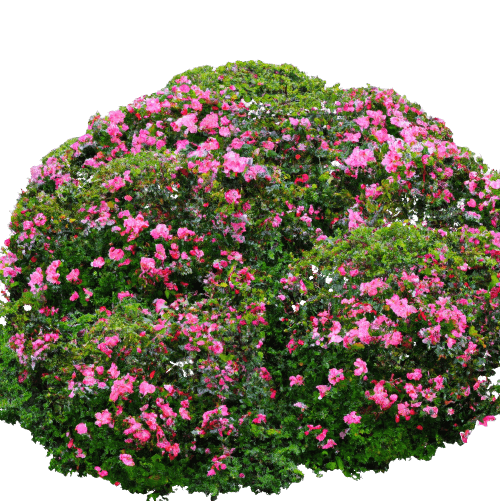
[[247, 271]]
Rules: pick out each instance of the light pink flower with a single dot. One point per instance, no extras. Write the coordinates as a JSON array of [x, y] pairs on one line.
[[417, 375], [97, 263], [296, 380], [145, 388], [362, 367], [232, 196], [400, 307], [352, 418], [115, 254], [335, 375], [127, 459], [104, 418], [73, 275], [36, 278], [81, 428], [217, 347], [161, 231], [323, 389]]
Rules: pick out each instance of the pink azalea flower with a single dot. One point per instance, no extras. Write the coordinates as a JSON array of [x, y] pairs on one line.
[[81, 428], [97, 263], [127, 459]]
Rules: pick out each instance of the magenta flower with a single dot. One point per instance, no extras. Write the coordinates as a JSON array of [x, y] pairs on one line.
[[97, 263]]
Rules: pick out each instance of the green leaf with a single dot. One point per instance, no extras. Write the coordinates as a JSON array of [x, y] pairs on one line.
[[494, 281], [331, 466]]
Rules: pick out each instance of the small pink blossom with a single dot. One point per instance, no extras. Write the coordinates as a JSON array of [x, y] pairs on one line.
[[323, 389], [232, 196], [145, 388], [352, 418], [127, 459], [335, 375], [296, 380], [97, 263], [260, 418], [362, 367], [115, 254], [81, 428]]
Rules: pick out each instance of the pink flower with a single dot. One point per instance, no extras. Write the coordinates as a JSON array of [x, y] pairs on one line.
[[362, 367], [276, 221], [145, 388], [97, 263], [296, 380], [160, 252], [259, 419], [74, 296], [464, 436], [116, 116], [355, 218], [116, 254], [127, 459], [323, 389], [400, 307], [36, 278], [486, 420], [153, 105], [352, 418], [81, 428], [269, 145], [362, 122], [52, 276], [415, 375], [210, 121], [330, 443], [161, 231], [305, 123], [147, 264], [104, 418], [322, 435], [471, 203], [88, 294], [73, 275], [234, 162], [40, 219], [293, 121], [184, 414], [217, 347], [232, 196], [102, 473], [335, 375]]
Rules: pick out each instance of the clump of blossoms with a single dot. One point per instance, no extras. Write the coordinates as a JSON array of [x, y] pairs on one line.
[[248, 271]]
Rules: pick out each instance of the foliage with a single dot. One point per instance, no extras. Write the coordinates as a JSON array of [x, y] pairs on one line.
[[289, 256]]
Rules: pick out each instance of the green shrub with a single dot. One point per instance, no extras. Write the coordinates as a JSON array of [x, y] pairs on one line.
[[328, 269]]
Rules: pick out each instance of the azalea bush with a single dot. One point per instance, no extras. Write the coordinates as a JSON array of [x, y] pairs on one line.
[[245, 272]]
